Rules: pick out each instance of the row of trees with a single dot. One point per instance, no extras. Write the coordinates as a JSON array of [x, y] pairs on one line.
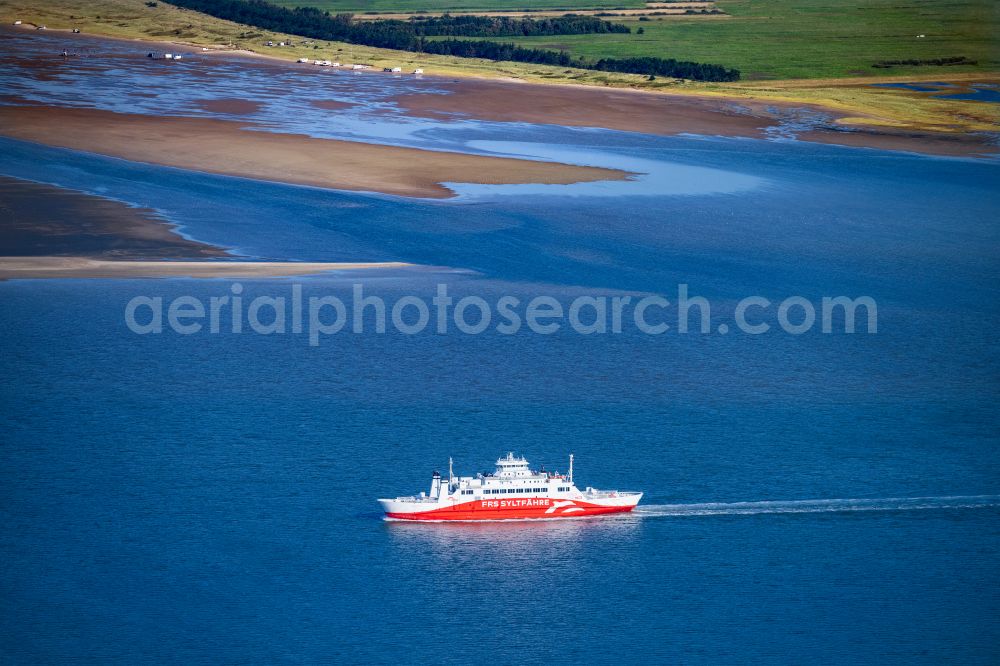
[[678, 69], [937, 62], [464, 48], [412, 36], [501, 26]]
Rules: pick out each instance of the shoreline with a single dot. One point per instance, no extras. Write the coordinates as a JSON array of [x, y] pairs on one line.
[[874, 118], [52, 232], [676, 112], [70, 267], [46, 220], [229, 148]]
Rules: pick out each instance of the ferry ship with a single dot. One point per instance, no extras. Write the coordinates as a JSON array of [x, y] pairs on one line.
[[513, 492]]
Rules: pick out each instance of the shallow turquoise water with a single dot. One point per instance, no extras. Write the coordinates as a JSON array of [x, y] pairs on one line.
[[210, 498]]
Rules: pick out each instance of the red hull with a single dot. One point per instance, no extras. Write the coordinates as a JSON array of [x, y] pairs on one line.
[[513, 509]]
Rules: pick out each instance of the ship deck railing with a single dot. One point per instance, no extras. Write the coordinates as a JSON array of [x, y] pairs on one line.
[[610, 493], [588, 493], [417, 498]]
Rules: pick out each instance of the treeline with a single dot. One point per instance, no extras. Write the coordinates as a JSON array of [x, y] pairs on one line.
[[404, 36], [678, 69], [464, 48], [502, 26], [937, 62]]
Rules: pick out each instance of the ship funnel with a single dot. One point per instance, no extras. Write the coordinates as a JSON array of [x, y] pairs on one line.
[[435, 484]]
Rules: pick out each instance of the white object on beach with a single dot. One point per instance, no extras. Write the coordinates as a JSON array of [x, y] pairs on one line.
[[17, 22], [168, 56], [418, 71], [178, 56], [357, 66], [303, 60], [336, 64], [396, 69]]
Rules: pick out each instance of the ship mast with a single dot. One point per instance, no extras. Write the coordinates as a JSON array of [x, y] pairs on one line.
[[571, 468], [451, 475]]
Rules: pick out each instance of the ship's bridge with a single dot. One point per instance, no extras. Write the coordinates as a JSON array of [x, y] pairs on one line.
[[512, 467]]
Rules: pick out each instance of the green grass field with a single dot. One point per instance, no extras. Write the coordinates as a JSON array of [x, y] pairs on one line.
[[786, 39], [360, 6]]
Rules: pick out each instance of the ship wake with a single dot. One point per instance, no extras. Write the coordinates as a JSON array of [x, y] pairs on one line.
[[819, 506]]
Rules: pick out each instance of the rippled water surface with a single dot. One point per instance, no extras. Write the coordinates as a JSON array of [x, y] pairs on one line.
[[825, 498]]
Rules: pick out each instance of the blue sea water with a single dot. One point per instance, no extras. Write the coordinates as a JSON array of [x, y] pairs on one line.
[[822, 498]]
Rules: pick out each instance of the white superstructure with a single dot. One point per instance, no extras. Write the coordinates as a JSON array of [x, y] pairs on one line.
[[513, 490]]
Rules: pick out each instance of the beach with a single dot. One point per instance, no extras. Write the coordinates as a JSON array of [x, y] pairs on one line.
[[233, 149], [582, 106], [668, 114], [51, 232], [41, 220], [75, 234], [15, 268]]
